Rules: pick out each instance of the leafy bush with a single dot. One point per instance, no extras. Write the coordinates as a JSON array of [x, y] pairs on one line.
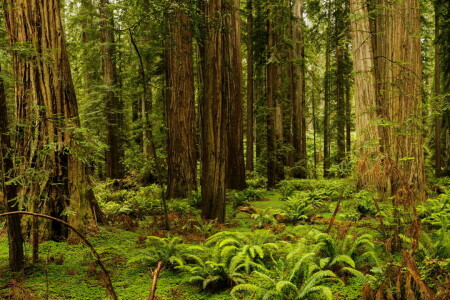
[[257, 183], [241, 198], [296, 277], [266, 217], [258, 247], [436, 212], [286, 189], [331, 189], [345, 255], [365, 203], [217, 267], [195, 198], [134, 203], [300, 207], [168, 250]]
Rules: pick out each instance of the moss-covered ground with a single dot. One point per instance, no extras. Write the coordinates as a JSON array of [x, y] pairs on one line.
[[69, 271]]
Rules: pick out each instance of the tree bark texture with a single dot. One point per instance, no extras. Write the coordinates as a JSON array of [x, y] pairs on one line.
[[298, 97], [47, 114], [388, 99], [181, 152], [398, 71], [437, 94], [214, 150], [114, 116], [232, 89], [271, 113], [15, 238], [250, 90]]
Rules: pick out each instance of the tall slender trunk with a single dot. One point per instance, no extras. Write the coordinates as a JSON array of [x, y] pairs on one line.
[[437, 94], [114, 136], [271, 114], [180, 106], [250, 89], [298, 106], [326, 113], [214, 147], [15, 238], [232, 89], [340, 104]]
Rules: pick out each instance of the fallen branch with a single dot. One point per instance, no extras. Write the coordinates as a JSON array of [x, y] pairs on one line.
[[155, 280], [334, 216], [108, 282]]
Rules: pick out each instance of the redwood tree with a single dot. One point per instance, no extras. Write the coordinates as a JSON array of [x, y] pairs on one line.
[[232, 93], [181, 152], [213, 121], [114, 116], [51, 174], [15, 238]]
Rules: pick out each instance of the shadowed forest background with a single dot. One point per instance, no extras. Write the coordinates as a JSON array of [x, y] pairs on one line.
[[224, 149]]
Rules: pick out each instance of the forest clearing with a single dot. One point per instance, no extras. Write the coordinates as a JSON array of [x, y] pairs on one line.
[[225, 149]]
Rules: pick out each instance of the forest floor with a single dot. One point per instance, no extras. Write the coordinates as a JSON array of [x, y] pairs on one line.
[[69, 271]]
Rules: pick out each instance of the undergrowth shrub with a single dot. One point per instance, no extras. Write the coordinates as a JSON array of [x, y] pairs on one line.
[[170, 250], [295, 277], [301, 206], [349, 255]]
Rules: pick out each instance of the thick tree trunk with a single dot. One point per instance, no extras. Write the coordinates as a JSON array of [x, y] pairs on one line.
[[47, 114], [367, 147], [398, 71], [114, 116], [181, 152], [214, 149], [250, 89], [15, 238], [232, 89]]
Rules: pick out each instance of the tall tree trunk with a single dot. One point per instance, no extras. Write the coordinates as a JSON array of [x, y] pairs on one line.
[[214, 146], [398, 71], [271, 114], [250, 89], [181, 152], [437, 94], [348, 119], [15, 238], [365, 94], [47, 114], [326, 112], [232, 89], [297, 110], [340, 104], [114, 135]]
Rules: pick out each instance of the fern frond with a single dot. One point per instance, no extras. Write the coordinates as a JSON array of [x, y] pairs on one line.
[[342, 258], [285, 287], [360, 277], [301, 267], [313, 281], [245, 287], [230, 241], [324, 291], [209, 280], [369, 257]]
